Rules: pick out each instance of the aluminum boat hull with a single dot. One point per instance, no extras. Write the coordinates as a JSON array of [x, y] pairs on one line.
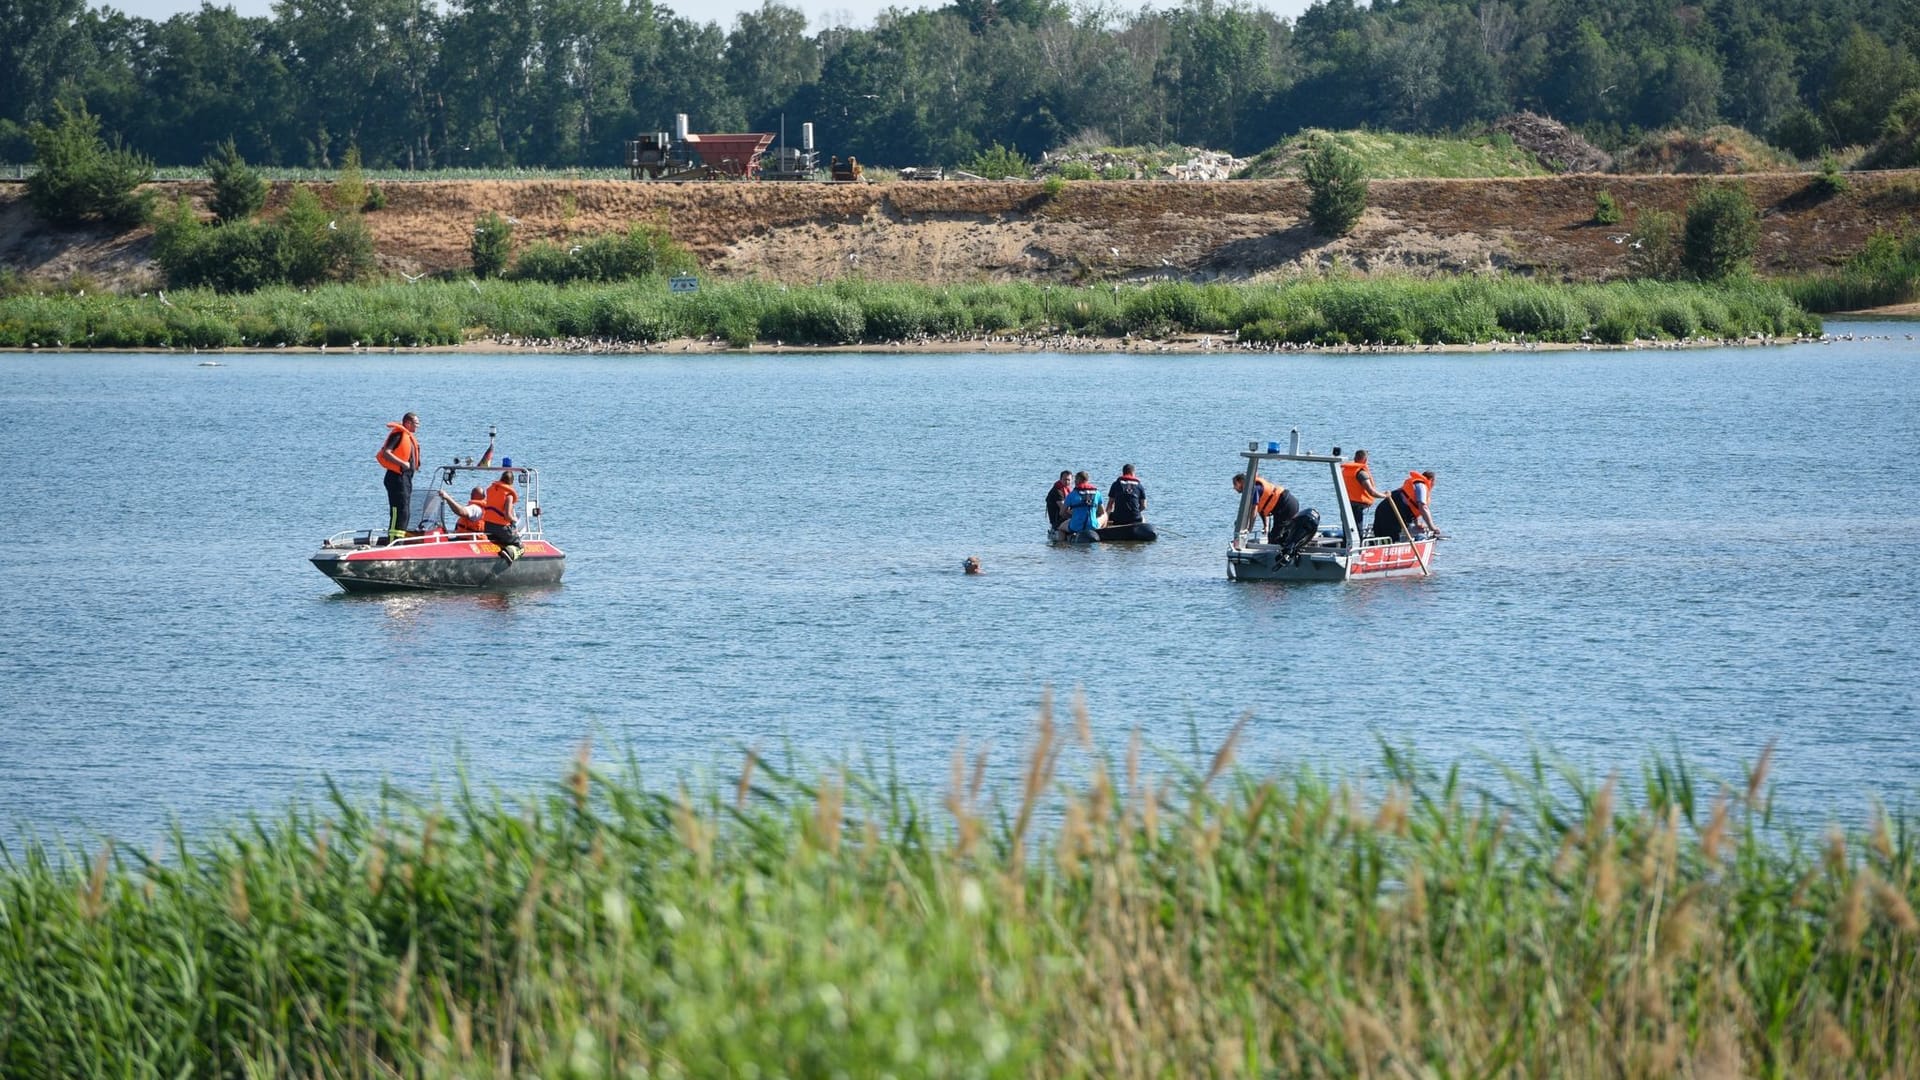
[[1262, 562], [439, 564]]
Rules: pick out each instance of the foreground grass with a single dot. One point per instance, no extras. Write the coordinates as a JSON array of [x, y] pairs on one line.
[[1217, 925], [1327, 311]]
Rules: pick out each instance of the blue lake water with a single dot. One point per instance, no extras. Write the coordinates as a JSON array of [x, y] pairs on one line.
[[1705, 550]]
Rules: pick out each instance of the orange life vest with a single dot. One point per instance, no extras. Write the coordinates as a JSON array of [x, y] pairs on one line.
[[1266, 496], [499, 507], [1406, 489], [1350, 476], [464, 524], [405, 450]]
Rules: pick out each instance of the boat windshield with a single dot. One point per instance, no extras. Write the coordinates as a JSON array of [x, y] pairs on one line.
[[430, 511]]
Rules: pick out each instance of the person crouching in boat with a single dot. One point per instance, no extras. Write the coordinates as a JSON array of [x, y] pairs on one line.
[[1407, 514], [1273, 504], [1086, 506], [1127, 499], [1057, 499], [497, 516], [1361, 494], [467, 516]]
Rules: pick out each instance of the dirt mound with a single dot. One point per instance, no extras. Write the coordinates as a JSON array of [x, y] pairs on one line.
[[950, 232], [1718, 151], [1557, 146]]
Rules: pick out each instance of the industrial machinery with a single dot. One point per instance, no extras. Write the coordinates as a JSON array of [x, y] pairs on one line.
[[688, 156]]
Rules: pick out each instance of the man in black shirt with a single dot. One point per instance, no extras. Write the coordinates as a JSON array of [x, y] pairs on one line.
[[1126, 499]]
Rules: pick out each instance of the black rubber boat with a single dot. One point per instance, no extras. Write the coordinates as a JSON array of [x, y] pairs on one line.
[[1137, 533]]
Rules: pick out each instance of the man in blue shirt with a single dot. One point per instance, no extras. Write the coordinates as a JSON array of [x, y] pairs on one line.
[[1084, 505]]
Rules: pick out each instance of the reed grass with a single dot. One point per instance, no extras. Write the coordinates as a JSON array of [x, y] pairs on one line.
[[1115, 924], [1319, 310]]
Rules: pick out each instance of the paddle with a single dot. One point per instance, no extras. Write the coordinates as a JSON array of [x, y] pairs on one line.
[[1407, 531]]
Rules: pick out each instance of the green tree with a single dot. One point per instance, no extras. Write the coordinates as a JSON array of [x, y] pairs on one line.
[[349, 189], [1867, 79], [492, 245], [81, 178], [1722, 231], [1000, 163], [769, 58], [1337, 189], [238, 191]]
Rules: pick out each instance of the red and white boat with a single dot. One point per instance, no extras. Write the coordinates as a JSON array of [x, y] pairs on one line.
[[1316, 553], [440, 552]]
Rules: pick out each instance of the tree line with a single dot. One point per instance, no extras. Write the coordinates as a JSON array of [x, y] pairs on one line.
[[503, 83]]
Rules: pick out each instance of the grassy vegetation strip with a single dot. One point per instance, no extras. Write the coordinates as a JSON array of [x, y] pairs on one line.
[[1205, 925], [1392, 155], [1391, 311], [1885, 272]]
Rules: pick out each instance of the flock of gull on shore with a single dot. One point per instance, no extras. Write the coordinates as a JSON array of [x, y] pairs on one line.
[[1071, 343]]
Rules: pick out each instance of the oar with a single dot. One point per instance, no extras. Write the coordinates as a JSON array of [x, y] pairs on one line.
[[1407, 531]]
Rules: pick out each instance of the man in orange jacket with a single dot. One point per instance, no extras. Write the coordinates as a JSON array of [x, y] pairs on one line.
[[498, 514], [400, 457], [1358, 481]]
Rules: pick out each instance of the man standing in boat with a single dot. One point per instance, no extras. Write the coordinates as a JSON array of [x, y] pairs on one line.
[[400, 457], [1361, 494], [1126, 499]]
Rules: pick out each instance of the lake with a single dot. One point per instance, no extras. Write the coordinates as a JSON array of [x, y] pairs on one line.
[[1694, 550]]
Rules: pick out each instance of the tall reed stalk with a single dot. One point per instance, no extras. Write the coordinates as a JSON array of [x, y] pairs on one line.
[[1212, 923]]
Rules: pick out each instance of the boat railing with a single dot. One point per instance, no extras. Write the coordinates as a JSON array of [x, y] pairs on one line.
[[362, 538]]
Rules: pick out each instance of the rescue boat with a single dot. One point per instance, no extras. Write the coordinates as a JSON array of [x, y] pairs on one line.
[[1137, 533], [1311, 552], [439, 553]]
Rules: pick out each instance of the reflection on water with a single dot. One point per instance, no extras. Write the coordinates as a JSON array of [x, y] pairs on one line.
[[1649, 551]]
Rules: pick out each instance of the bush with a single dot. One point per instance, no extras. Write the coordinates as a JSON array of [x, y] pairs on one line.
[[643, 251], [1606, 211], [1722, 231], [376, 199], [1829, 181], [813, 318], [492, 245], [238, 191], [1653, 247], [1053, 186], [1075, 170], [304, 247], [1000, 163], [319, 247], [80, 177], [1337, 187]]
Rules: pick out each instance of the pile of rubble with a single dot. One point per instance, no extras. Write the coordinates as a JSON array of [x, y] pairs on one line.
[[1120, 164], [1557, 147]]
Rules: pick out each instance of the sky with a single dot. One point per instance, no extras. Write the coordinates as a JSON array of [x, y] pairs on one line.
[[822, 13]]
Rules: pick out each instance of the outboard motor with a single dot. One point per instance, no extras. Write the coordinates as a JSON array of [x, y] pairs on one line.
[[1294, 535]]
